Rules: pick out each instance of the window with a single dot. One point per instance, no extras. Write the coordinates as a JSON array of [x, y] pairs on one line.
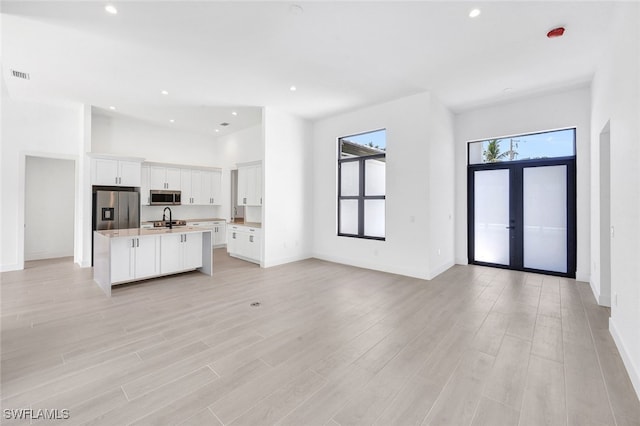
[[361, 185], [535, 146]]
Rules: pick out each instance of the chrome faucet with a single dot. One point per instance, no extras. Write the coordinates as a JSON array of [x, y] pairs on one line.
[[164, 218]]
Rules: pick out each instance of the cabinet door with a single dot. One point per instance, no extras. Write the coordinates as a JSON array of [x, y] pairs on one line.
[[185, 186], [232, 241], [220, 234], [216, 187], [147, 256], [129, 173], [157, 177], [145, 187], [251, 186], [192, 250], [242, 186], [206, 189], [104, 172], [253, 246], [257, 192], [173, 178], [171, 253], [196, 188], [122, 259]]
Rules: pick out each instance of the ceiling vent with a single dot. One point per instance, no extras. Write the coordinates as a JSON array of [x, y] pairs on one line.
[[20, 74], [225, 124]]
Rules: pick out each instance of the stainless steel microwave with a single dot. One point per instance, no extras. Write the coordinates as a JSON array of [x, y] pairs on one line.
[[159, 197]]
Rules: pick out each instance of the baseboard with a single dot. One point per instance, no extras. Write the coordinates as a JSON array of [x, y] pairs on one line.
[[632, 369], [604, 301], [46, 255], [11, 267], [373, 266], [440, 269], [462, 261], [285, 260]]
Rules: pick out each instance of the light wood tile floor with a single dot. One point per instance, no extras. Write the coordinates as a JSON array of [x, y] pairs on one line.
[[328, 345]]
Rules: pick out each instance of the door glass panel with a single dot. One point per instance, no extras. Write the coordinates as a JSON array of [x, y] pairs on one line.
[[348, 217], [545, 218], [350, 179], [491, 213], [374, 218]]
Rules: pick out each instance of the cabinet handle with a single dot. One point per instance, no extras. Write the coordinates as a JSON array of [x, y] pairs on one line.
[[185, 238], [116, 180], [244, 200], [234, 235], [250, 238], [133, 242], [260, 200], [137, 242]]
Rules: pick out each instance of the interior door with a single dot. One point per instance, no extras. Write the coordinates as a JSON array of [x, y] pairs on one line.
[[522, 216]]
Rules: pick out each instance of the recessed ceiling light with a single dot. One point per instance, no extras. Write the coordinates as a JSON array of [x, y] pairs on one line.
[[112, 108], [507, 89], [234, 113], [164, 92], [172, 121], [217, 130], [111, 9], [293, 88], [296, 9], [474, 13]]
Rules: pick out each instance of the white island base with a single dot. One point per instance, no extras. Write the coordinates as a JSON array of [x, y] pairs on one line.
[[127, 255]]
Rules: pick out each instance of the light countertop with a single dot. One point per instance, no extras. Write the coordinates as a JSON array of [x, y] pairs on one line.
[[141, 232], [247, 224]]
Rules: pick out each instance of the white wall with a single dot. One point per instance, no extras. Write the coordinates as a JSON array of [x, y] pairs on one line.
[[616, 99], [44, 130], [49, 208], [243, 146], [545, 112], [287, 171], [418, 128]]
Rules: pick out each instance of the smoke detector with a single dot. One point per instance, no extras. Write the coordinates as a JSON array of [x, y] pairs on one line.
[[225, 124]]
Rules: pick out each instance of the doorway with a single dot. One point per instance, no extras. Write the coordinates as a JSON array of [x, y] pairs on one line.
[[605, 217], [522, 212], [49, 208]]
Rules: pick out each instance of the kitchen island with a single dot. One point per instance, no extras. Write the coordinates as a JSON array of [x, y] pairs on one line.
[[126, 255]]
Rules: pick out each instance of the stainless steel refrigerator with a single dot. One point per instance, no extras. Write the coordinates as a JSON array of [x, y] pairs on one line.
[[116, 210]]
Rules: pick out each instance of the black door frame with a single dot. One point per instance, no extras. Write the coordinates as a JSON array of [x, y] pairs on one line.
[[516, 214]]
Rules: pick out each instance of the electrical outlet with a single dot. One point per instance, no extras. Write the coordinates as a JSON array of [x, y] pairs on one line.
[[439, 252], [613, 232]]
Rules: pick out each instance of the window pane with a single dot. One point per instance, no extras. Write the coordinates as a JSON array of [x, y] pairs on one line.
[[545, 218], [374, 218], [348, 217], [491, 213], [559, 143], [350, 178], [363, 144], [374, 177]]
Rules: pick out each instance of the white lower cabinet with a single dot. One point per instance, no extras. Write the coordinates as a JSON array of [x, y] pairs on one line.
[[244, 242], [218, 231], [134, 258], [180, 252]]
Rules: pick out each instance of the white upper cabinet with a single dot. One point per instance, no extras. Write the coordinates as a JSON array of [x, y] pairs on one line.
[[250, 185], [145, 187], [161, 177], [211, 187], [115, 172]]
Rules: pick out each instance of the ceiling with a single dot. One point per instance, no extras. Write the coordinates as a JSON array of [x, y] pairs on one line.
[[217, 57]]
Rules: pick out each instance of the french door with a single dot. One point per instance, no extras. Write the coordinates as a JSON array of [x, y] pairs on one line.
[[522, 215]]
